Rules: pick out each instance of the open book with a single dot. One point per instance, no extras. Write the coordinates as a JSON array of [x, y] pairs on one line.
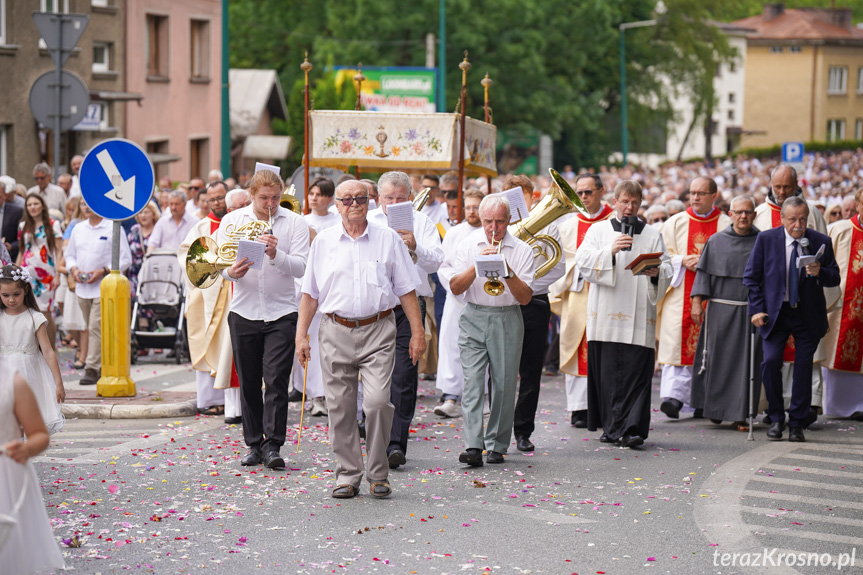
[[645, 262]]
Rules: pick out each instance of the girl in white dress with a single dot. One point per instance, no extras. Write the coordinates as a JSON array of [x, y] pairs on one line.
[[31, 547], [22, 335]]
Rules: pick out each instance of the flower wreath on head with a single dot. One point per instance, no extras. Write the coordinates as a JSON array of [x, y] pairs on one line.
[[15, 273]]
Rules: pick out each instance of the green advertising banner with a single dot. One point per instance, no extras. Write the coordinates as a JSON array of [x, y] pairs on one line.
[[393, 89]]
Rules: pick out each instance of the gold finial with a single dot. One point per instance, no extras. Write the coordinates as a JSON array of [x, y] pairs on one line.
[[465, 65], [306, 65], [486, 82], [358, 77]]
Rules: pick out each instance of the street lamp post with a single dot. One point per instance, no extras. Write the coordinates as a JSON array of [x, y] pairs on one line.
[[624, 135]]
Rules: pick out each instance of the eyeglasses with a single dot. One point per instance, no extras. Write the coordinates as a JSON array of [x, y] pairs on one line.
[[586, 192], [216, 200], [742, 212], [656, 220], [196, 188], [348, 202], [40, 178]]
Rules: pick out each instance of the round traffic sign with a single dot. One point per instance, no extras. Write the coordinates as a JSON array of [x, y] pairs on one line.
[[117, 179], [74, 98]]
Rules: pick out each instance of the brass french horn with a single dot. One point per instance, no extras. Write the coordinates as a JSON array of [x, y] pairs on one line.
[[289, 201], [206, 259], [561, 199]]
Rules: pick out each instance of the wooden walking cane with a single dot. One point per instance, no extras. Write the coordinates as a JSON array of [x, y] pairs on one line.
[[303, 404]]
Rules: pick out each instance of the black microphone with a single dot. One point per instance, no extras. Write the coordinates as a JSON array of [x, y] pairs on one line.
[[627, 226]]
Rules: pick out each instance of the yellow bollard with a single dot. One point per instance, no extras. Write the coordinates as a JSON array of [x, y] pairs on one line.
[[115, 380]]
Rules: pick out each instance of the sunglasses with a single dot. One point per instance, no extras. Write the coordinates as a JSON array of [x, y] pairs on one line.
[[655, 220], [348, 202], [586, 192]]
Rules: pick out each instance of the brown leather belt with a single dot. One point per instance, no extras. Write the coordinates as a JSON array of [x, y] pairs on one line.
[[362, 322]]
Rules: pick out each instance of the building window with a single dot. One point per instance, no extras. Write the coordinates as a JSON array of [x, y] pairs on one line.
[[157, 150], [837, 82], [55, 6], [99, 3], [858, 129], [101, 57], [776, 49], [835, 130], [199, 157], [4, 130], [732, 67], [860, 80], [730, 115], [795, 49], [199, 49], [157, 46], [3, 23], [731, 97]]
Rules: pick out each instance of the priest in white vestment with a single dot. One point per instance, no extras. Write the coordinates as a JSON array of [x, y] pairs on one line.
[[621, 319]]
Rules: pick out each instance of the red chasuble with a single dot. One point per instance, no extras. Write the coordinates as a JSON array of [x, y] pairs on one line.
[[214, 225], [849, 354], [700, 229], [584, 223]]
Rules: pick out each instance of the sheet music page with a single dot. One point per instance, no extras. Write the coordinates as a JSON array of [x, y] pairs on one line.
[[262, 166], [518, 209], [401, 216], [488, 266], [252, 250]]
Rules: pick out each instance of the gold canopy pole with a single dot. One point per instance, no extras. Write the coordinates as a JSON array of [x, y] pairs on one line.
[[306, 66], [359, 79], [486, 84], [464, 66]]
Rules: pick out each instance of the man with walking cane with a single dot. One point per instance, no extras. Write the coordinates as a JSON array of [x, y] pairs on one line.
[[357, 274], [719, 301]]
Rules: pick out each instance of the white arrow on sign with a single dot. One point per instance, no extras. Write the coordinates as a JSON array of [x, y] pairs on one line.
[[123, 191]]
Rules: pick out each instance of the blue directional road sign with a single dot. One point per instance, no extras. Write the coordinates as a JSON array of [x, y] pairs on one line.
[[117, 179], [792, 153]]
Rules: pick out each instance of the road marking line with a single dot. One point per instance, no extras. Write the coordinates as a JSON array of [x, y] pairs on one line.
[[817, 471], [803, 516], [810, 484], [832, 503], [830, 538], [838, 459]]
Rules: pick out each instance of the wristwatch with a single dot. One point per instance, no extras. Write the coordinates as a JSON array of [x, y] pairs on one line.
[[107, 271]]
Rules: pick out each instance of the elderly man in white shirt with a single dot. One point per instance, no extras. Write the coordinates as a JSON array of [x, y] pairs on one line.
[[54, 195], [424, 245], [170, 232], [263, 317], [357, 274], [492, 330], [88, 259]]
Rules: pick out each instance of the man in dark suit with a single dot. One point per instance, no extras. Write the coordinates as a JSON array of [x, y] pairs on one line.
[[785, 300], [10, 215]]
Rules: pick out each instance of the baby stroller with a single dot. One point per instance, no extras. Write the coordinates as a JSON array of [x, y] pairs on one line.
[[158, 316]]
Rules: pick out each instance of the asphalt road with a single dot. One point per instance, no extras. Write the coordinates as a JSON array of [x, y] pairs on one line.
[[171, 497]]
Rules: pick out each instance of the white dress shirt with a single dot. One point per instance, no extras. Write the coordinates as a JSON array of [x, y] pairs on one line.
[[357, 278], [452, 241], [519, 258], [320, 223], [89, 249], [789, 247], [429, 251], [55, 197], [436, 212], [168, 234], [268, 294]]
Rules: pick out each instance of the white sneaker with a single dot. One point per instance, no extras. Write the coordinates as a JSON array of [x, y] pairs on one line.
[[319, 406], [447, 409]]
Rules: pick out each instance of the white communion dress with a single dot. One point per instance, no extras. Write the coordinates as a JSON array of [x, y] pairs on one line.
[[31, 547], [19, 351]]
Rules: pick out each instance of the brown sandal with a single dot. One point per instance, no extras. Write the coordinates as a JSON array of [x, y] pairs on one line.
[[380, 489], [345, 491], [741, 426]]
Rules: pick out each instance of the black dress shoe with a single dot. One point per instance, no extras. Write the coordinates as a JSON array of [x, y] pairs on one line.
[[494, 457], [295, 395], [579, 419], [810, 418], [471, 456], [523, 443], [796, 434], [396, 458], [699, 414], [606, 439], [671, 408], [232, 420], [253, 457], [766, 420], [273, 460], [633, 440], [775, 431]]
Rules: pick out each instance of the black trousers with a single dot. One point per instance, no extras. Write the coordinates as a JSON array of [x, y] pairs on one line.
[[791, 321], [535, 315], [403, 388], [264, 350]]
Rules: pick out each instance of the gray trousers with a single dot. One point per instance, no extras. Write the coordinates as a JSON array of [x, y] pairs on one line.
[[346, 353], [92, 310], [490, 336]]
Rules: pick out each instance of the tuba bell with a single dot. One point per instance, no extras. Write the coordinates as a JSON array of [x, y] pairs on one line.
[[206, 259], [421, 199], [560, 200], [289, 201]]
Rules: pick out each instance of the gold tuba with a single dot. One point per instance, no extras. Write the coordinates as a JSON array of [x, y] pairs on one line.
[[290, 201], [561, 199], [421, 199], [206, 259]]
